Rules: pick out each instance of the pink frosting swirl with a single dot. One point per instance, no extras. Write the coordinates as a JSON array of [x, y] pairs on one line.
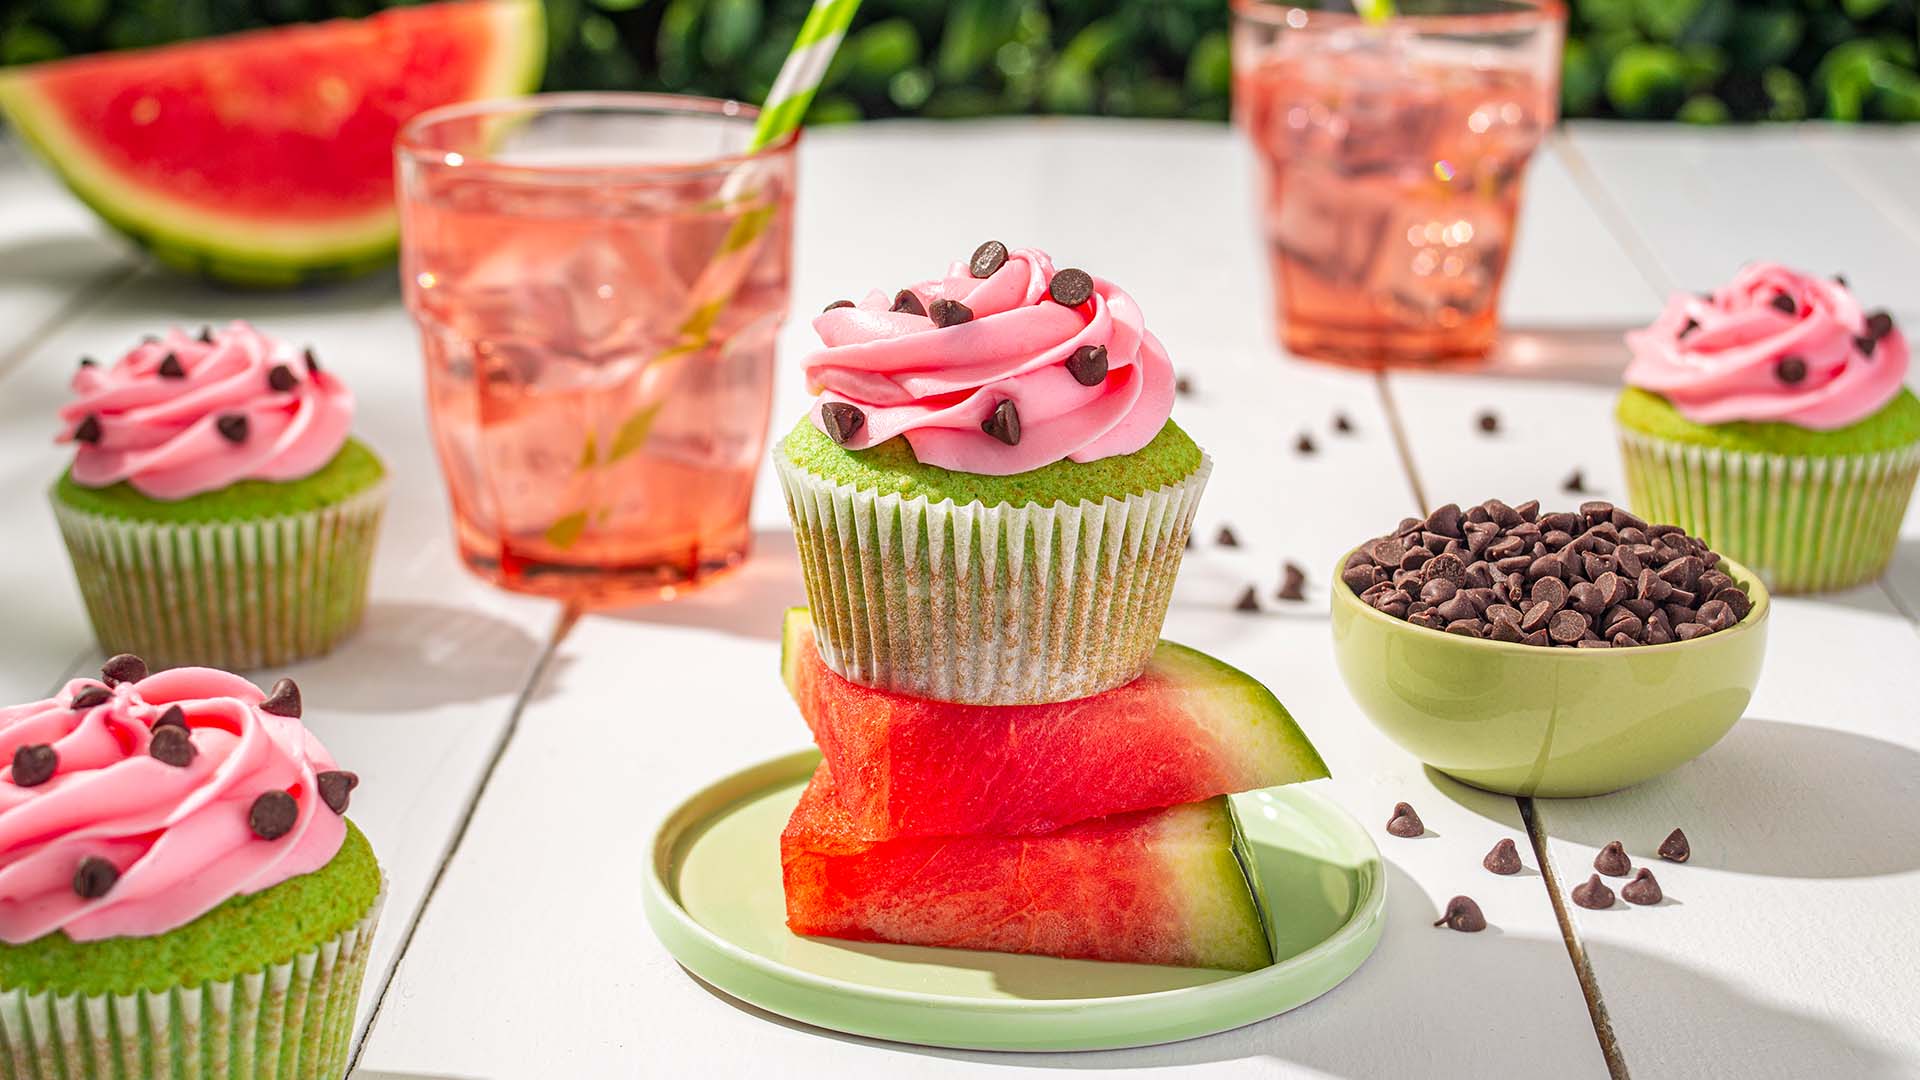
[[1772, 345], [939, 384], [179, 838], [182, 415]]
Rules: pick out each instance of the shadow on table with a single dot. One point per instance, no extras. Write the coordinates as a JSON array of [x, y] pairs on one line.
[[1445, 984], [63, 262], [437, 653], [1774, 798], [175, 298], [749, 602]]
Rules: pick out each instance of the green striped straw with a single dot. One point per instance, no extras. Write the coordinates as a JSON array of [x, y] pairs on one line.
[[806, 65]]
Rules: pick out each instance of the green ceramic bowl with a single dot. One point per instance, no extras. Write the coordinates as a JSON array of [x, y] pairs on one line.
[[1526, 720]]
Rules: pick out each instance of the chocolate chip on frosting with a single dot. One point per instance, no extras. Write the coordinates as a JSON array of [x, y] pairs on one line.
[[1088, 365], [88, 430], [1879, 325], [1004, 423], [313, 363], [1071, 288], [336, 788], [206, 335], [987, 258], [945, 312], [171, 368], [841, 421], [94, 877], [233, 427], [175, 716], [1790, 369], [172, 745], [283, 699], [125, 667], [836, 304], [1784, 303], [272, 815], [34, 765], [88, 361], [908, 301], [91, 696]]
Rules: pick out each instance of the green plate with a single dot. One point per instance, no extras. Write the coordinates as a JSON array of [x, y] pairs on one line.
[[715, 900]]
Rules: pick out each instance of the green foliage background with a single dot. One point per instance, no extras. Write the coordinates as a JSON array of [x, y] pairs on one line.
[[1705, 61]]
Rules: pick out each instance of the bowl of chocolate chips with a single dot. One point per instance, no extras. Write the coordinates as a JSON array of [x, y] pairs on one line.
[[1558, 654]]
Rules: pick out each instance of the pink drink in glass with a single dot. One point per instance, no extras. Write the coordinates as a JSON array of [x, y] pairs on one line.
[[598, 282], [1392, 162]]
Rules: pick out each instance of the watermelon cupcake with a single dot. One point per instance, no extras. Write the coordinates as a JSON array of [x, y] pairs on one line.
[[989, 499], [180, 891], [217, 512], [1771, 419]]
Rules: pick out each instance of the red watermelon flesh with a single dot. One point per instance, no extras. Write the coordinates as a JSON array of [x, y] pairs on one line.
[[1154, 887], [1189, 728]]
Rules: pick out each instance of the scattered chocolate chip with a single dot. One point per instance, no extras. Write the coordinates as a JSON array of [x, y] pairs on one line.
[[1675, 847], [171, 368], [272, 815], [1304, 444], [1489, 422], [1088, 365], [91, 696], [89, 429], [175, 716], [173, 746], [1004, 424], [336, 788], [1790, 369], [1226, 538], [1575, 483], [283, 700], [836, 304], [1405, 823], [123, 668], [1249, 600], [1342, 424], [1504, 859], [313, 363], [908, 301], [1183, 386], [945, 312], [280, 378], [233, 427], [1463, 915], [34, 765], [1879, 325], [1593, 894], [1613, 861], [1293, 582], [206, 335], [987, 258], [1642, 889], [1071, 288], [1784, 303], [94, 877], [841, 421]]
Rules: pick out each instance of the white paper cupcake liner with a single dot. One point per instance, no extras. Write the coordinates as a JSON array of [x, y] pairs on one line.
[[239, 595], [997, 605], [1803, 523], [292, 1021]]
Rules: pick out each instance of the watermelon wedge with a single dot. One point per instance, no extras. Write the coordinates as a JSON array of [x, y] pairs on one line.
[[266, 158], [1155, 887], [1189, 728]]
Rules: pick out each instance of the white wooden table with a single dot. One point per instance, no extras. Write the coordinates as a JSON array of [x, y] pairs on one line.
[[515, 757]]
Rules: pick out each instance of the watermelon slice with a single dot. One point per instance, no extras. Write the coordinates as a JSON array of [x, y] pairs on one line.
[[266, 158], [1189, 728], [1155, 887]]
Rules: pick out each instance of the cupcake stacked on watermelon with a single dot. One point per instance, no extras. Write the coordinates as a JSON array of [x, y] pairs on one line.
[[990, 504]]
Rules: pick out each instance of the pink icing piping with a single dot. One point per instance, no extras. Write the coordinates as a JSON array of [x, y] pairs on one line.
[[179, 836], [162, 434], [1727, 366], [936, 385]]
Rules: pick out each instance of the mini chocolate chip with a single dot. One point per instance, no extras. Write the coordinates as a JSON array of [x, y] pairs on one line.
[[283, 700], [1689, 328], [1293, 582], [1225, 537], [945, 312], [1879, 325], [1342, 424], [1840, 280], [88, 361], [173, 746], [987, 258], [1642, 889], [91, 696], [1784, 303], [88, 430], [1593, 894], [908, 301], [175, 716], [1567, 626], [1304, 444], [1489, 422], [1504, 859], [206, 335], [1088, 365], [836, 304], [1183, 386], [1675, 847], [281, 379], [1071, 288], [94, 877], [1249, 600], [1790, 369], [1575, 483], [1446, 521], [1463, 915], [841, 421], [1004, 424], [233, 427], [1405, 823], [313, 363], [1613, 861], [125, 667], [34, 765], [336, 788], [171, 368], [272, 815]]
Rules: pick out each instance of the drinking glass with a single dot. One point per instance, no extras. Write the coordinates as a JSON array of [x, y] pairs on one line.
[[598, 281], [1392, 158]]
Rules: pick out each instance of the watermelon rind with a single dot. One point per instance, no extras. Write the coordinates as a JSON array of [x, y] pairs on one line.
[[249, 253]]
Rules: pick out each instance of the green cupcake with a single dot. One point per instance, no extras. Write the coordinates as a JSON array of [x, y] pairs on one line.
[[216, 512], [1771, 420]]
